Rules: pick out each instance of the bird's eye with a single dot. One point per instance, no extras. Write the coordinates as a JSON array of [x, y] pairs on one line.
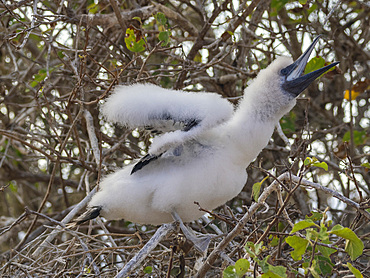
[[284, 71]]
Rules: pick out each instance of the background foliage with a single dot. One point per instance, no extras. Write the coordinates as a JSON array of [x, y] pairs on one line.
[[60, 59]]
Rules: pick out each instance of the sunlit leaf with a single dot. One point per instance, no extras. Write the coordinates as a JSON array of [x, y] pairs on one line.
[[93, 8], [314, 216], [256, 189], [322, 165], [299, 245], [353, 96], [312, 161], [133, 43], [357, 89], [148, 269], [354, 271], [241, 267], [303, 225], [274, 240], [307, 161], [138, 19], [314, 64], [354, 245], [229, 272]]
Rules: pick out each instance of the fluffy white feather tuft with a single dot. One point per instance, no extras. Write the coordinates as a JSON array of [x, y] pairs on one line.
[[143, 105]]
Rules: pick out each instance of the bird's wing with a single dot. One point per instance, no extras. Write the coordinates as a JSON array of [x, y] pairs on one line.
[[180, 115]]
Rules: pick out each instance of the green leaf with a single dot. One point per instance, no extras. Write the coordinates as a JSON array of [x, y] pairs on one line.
[[354, 245], [307, 161], [198, 58], [165, 37], [272, 271], [132, 42], [277, 5], [366, 165], [287, 122], [314, 64], [299, 244], [314, 216], [229, 272], [161, 19], [13, 187], [253, 249], [93, 8], [148, 269], [256, 189], [138, 19], [354, 271], [324, 266], [311, 9], [274, 240], [323, 233], [34, 84], [311, 234], [303, 225], [35, 37], [270, 274], [322, 165], [359, 137], [313, 269], [241, 267], [326, 251], [60, 54], [312, 161], [38, 77]]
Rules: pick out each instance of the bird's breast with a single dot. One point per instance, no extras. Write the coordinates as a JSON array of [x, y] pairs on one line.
[[200, 173]]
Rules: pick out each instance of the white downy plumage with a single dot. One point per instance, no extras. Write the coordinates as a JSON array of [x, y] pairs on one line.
[[204, 160]]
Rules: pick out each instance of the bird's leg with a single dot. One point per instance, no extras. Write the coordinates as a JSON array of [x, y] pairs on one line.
[[200, 243]]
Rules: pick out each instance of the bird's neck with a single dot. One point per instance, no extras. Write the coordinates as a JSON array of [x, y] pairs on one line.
[[247, 136], [254, 121]]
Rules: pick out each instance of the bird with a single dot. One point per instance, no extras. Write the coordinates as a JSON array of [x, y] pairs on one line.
[[201, 148]]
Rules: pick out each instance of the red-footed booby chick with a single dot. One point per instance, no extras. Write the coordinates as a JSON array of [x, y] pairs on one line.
[[203, 149]]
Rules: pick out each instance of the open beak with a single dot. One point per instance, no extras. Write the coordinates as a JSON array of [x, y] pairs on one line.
[[295, 82]]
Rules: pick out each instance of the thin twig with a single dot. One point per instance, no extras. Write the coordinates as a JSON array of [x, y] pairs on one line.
[[161, 233]]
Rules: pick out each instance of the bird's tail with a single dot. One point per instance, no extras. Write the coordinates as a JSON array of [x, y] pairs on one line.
[[90, 213]]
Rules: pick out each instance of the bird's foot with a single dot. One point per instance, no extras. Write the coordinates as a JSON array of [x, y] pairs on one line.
[[200, 243]]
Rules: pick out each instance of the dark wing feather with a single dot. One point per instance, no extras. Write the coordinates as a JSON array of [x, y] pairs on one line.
[[166, 123], [143, 162], [89, 214]]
